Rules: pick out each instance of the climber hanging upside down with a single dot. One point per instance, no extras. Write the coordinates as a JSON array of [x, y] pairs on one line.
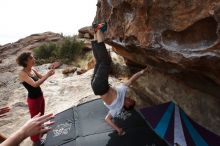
[[114, 98]]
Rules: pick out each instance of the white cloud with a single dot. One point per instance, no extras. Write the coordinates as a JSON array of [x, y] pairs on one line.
[[20, 18]]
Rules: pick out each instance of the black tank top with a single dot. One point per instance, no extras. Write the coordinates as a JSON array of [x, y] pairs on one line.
[[33, 92]]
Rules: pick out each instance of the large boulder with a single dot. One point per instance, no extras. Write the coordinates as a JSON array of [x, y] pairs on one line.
[[178, 38], [86, 32]]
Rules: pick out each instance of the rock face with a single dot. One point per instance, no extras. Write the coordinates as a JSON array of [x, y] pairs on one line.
[[180, 39], [86, 32]]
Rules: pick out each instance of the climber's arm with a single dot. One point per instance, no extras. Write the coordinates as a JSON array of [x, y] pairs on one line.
[[136, 76], [109, 120]]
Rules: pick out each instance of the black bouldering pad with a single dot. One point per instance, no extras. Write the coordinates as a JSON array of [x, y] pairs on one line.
[[84, 125]]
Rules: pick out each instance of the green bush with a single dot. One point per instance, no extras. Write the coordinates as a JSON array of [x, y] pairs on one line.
[[45, 51], [70, 48], [67, 50]]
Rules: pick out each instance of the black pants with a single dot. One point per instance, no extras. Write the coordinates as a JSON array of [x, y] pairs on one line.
[[102, 68]]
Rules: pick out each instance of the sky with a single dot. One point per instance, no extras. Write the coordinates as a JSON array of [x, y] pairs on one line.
[[21, 18]]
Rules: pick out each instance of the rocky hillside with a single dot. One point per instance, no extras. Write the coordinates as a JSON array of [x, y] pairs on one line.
[[29, 43], [180, 40]]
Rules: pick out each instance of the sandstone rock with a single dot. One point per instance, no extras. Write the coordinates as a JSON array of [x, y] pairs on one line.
[[80, 35], [55, 65], [88, 46], [179, 38], [87, 30], [87, 36], [164, 34], [91, 64], [69, 70], [81, 71]]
